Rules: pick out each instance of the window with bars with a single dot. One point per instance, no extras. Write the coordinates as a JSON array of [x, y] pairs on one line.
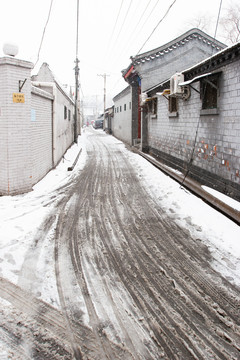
[[209, 92], [65, 112], [172, 104]]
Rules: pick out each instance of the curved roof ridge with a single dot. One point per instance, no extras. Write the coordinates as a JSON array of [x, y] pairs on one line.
[[183, 38]]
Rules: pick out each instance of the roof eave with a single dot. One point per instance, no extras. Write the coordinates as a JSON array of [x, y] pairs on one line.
[[183, 37]]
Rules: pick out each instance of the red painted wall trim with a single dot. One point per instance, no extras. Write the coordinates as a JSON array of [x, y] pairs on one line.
[[129, 72]]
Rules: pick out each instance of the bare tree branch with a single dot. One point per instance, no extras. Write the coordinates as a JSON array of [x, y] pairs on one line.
[[230, 24], [201, 21]]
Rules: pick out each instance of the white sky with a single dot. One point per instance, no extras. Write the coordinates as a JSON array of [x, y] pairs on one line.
[[105, 44]]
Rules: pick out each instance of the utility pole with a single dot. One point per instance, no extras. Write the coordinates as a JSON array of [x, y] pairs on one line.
[[104, 96], [76, 83], [76, 101]]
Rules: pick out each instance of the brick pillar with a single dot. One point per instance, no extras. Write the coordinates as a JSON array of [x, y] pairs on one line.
[[144, 123], [135, 111], [15, 130]]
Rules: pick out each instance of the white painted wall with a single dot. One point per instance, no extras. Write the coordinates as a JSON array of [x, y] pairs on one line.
[[41, 133], [15, 130], [34, 134], [63, 132], [122, 121]]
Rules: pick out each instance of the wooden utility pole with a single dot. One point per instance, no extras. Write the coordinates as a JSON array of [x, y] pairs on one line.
[[76, 83], [76, 102], [104, 96]]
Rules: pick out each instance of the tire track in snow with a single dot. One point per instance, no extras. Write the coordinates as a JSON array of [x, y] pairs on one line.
[[232, 304], [31, 324], [200, 281], [123, 252], [110, 350]]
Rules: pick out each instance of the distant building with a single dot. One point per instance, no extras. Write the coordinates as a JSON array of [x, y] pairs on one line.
[[108, 116], [122, 122]]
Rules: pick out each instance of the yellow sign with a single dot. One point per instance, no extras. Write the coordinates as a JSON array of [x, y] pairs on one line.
[[18, 98]]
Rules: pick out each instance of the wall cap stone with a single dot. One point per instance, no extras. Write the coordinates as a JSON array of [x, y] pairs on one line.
[[7, 60]]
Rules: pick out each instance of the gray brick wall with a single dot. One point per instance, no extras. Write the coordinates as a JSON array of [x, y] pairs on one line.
[[162, 68], [217, 149]]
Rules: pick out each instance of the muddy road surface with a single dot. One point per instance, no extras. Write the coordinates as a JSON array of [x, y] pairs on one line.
[[132, 284]]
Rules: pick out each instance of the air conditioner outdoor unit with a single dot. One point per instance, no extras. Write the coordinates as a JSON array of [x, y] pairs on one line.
[[175, 89]]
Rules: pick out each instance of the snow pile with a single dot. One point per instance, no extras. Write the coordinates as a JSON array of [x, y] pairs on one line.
[[220, 234], [224, 198], [21, 218]]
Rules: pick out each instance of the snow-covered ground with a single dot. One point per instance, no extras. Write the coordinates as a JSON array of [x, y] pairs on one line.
[[221, 235], [21, 217]]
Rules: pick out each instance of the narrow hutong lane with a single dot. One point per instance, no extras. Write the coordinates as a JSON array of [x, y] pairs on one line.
[[144, 284], [132, 283]]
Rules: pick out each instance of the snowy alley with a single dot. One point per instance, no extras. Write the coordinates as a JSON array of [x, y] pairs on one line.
[[115, 260]]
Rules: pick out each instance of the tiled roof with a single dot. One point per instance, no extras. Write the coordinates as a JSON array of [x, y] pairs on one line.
[[192, 34]]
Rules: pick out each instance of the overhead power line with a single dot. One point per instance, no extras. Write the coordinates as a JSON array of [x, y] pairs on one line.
[[157, 2], [157, 25], [144, 11], [132, 38], [111, 49], [44, 30], [130, 35], [116, 21], [122, 26], [220, 6]]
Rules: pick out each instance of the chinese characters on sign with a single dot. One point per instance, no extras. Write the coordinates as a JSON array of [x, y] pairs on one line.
[[18, 98]]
